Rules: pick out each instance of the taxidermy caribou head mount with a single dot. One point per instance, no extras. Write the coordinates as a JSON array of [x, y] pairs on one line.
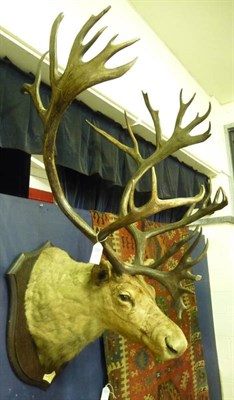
[[68, 303]]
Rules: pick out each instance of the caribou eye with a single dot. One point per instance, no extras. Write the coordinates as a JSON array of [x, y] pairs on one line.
[[125, 298]]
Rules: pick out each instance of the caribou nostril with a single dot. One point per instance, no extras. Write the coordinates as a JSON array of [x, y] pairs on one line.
[[170, 347]]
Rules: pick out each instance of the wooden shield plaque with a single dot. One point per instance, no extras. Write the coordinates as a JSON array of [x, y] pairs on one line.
[[20, 346]]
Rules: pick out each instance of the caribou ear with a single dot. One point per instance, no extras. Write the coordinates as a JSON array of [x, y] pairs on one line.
[[101, 273]]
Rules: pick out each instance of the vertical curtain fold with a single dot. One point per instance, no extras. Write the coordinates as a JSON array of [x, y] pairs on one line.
[[14, 172]]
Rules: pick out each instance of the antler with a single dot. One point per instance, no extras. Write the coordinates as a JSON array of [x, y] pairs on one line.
[[129, 212], [78, 76]]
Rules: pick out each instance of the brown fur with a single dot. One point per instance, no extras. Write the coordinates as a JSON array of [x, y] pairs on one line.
[[69, 304]]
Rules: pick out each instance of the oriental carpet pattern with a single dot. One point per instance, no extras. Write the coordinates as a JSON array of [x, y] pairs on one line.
[[133, 372]]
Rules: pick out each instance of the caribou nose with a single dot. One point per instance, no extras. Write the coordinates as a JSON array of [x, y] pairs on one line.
[[176, 346]]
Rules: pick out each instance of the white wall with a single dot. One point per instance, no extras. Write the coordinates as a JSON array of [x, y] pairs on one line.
[[228, 113], [221, 271], [162, 76], [38, 177]]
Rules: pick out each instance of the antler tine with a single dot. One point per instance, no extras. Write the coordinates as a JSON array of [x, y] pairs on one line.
[[155, 117], [78, 49], [132, 151], [54, 72], [183, 107], [220, 193], [33, 89]]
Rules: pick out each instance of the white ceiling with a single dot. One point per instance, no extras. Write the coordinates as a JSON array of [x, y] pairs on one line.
[[200, 33]]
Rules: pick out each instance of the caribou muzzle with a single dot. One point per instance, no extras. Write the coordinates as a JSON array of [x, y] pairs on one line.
[[166, 346]]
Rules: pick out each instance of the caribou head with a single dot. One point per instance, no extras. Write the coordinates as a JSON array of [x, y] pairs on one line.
[[69, 304]]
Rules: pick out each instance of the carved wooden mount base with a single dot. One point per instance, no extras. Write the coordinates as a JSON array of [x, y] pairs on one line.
[[20, 346]]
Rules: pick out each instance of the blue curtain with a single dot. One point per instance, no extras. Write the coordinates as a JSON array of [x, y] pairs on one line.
[[87, 160]]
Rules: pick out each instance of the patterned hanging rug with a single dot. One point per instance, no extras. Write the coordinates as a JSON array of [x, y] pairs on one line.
[[133, 372]]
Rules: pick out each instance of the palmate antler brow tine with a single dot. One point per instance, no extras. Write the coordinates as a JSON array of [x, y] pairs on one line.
[[77, 76]]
